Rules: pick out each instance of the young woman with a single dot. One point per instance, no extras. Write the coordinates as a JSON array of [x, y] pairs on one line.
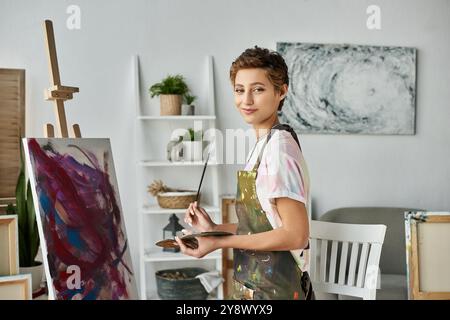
[[270, 241]]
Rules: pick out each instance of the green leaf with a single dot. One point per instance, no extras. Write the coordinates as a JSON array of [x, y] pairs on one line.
[[169, 85], [189, 99], [192, 135], [21, 214], [32, 225], [28, 232]]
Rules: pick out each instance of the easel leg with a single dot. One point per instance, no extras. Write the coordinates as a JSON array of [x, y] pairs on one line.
[[49, 131], [61, 118], [76, 132]]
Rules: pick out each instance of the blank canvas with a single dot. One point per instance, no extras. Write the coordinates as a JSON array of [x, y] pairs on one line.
[[9, 254], [434, 256], [427, 236], [16, 287]]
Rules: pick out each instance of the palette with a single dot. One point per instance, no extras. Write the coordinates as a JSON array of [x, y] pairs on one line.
[[190, 239]]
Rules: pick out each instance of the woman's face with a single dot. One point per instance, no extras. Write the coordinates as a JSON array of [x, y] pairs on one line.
[[255, 96]]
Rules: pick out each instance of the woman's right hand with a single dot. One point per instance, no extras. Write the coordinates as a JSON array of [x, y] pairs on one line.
[[198, 218]]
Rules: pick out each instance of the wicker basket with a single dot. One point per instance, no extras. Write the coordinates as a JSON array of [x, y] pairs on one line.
[[176, 200]]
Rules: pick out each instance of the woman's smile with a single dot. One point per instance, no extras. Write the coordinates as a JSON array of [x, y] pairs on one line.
[[249, 110]]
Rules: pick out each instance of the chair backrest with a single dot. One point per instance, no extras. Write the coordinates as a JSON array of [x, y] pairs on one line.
[[354, 253], [393, 256]]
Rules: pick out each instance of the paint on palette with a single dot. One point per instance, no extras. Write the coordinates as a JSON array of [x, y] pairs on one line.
[[80, 218]]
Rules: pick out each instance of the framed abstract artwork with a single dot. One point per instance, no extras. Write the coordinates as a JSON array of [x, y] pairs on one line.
[[83, 238], [428, 254], [9, 245], [16, 287], [349, 89]]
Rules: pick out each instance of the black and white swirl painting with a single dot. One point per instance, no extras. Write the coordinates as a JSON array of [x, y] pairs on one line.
[[349, 89]]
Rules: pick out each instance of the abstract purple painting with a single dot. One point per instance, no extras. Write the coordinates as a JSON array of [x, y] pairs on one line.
[[83, 238]]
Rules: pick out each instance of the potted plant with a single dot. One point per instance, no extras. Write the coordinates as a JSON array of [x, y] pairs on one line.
[[188, 108], [171, 91], [28, 231], [193, 145]]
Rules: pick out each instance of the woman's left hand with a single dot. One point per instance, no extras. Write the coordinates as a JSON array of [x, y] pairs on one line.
[[205, 246]]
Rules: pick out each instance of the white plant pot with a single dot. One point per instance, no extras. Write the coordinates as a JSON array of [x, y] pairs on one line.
[[36, 275], [192, 150]]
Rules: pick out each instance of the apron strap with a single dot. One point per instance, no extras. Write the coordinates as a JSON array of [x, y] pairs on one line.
[[279, 126]]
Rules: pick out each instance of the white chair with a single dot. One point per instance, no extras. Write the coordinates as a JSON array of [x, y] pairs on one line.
[[354, 275]]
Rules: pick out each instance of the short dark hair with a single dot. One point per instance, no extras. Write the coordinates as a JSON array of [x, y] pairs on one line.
[[269, 60]]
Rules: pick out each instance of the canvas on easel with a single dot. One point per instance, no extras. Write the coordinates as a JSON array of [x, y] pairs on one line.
[[428, 254], [84, 243], [76, 197]]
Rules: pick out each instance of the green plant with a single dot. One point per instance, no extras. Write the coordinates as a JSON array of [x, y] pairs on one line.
[[28, 231], [169, 85], [194, 135], [189, 99]]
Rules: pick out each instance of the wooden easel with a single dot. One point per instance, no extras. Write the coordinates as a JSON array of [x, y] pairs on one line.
[[57, 93]]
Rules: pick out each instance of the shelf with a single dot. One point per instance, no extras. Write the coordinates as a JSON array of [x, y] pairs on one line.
[[166, 163], [155, 209], [155, 256], [199, 117]]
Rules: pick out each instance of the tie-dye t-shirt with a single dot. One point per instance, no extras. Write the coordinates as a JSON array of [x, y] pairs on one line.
[[282, 173]]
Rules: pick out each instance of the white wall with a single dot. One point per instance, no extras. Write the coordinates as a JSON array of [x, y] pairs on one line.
[[175, 35]]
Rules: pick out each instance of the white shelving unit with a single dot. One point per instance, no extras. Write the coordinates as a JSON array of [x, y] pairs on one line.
[[152, 164]]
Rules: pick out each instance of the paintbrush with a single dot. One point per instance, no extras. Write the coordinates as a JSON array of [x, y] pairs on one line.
[[201, 180]]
